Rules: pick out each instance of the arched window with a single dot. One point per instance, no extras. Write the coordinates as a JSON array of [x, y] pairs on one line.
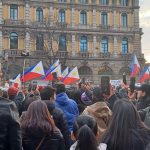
[[62, 43], [62, 16], [83, 18], [104, 2], [13, 40], [83, 44], [124, 20], [40, 42], [14, 12], [39, 14], [104, 18], [104, 45], [124, 2], [124, 45]]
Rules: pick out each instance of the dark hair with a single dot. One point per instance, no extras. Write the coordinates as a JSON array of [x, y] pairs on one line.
[[98, 94], [38, 118], [47, 92], [85, 130], [60, 88], [124, 127], [5, 94], [145, 88]]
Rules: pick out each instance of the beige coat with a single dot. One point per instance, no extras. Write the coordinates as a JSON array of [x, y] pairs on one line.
[[101, 112]]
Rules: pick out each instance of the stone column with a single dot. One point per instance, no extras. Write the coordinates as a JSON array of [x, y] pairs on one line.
[[74, 50], [73, 17], [94, 18], [27, 13], [51, 16], [1, 13], [115, 46], [94, 46], [136, 18], [114, 20], [27, 42]]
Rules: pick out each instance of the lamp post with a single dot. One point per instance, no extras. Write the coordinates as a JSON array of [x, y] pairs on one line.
[[24, 54]]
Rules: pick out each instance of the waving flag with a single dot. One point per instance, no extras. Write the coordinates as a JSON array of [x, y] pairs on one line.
[[57, 69], [34, 72], [64, 73], [53, 66], [135, 67], [145, 75], [72, 77], [16, 82]]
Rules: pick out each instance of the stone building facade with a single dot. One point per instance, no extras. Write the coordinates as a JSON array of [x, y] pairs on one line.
[[98, 36]]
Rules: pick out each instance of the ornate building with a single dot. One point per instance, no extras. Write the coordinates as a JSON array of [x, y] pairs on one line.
[[98, 36]]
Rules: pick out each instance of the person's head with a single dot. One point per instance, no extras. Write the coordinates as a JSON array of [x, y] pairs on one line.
[[60, 87], [5, 94], [98, 94], [145, 90], [38, 118], [12, 92], [85, 130], [48, 93], [125, 119]]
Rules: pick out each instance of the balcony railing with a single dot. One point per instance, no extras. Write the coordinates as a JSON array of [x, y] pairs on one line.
[[13, 22], [66, 55]]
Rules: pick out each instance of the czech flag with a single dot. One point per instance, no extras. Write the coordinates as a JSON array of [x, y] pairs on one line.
[[135, 67], [72, 77], [34, 72], [145, 75], [16, 82], [64, 73], [49, 76]]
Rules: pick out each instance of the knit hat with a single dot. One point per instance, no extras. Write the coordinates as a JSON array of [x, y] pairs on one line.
[[12, 91]]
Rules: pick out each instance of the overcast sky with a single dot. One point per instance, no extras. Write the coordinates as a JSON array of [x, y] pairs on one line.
[[145, 24]]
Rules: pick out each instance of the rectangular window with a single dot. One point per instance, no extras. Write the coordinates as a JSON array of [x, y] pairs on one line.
[[83, 19], [104, 2], [104, 19], [13, 12]]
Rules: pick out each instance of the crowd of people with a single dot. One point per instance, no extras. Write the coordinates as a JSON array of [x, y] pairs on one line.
[[86, 118]]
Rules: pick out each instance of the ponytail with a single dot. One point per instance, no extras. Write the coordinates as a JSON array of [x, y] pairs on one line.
[[86, 139]]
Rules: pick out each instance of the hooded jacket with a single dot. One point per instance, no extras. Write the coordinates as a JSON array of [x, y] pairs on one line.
[[101, 112], [69, 107]]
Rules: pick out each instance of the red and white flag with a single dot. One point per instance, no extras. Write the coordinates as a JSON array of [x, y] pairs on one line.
[[72, 77]]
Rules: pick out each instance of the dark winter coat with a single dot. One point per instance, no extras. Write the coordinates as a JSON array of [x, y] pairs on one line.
[[10, 132], [60, 121], [145, 115], [143, 103], [52, 141], [69, 107], [111, 101]]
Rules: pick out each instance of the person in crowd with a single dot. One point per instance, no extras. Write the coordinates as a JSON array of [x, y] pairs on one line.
[[10, 131], [85, 132], [67, 105], [12, 92], [99, 110], [48, 95], [111, 98], [38, 129], [126, 130], [144, 96], [145, 116]]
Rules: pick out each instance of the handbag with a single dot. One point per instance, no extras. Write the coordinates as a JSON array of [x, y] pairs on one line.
[[39, 145]]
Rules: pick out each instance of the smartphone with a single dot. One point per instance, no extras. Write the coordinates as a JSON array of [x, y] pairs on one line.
[[124, 78], [105, 85], [132, 84]]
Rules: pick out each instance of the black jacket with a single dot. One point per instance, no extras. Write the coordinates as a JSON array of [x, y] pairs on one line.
[[143, 103], [10, 132], [60, 121], [51, 141]]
